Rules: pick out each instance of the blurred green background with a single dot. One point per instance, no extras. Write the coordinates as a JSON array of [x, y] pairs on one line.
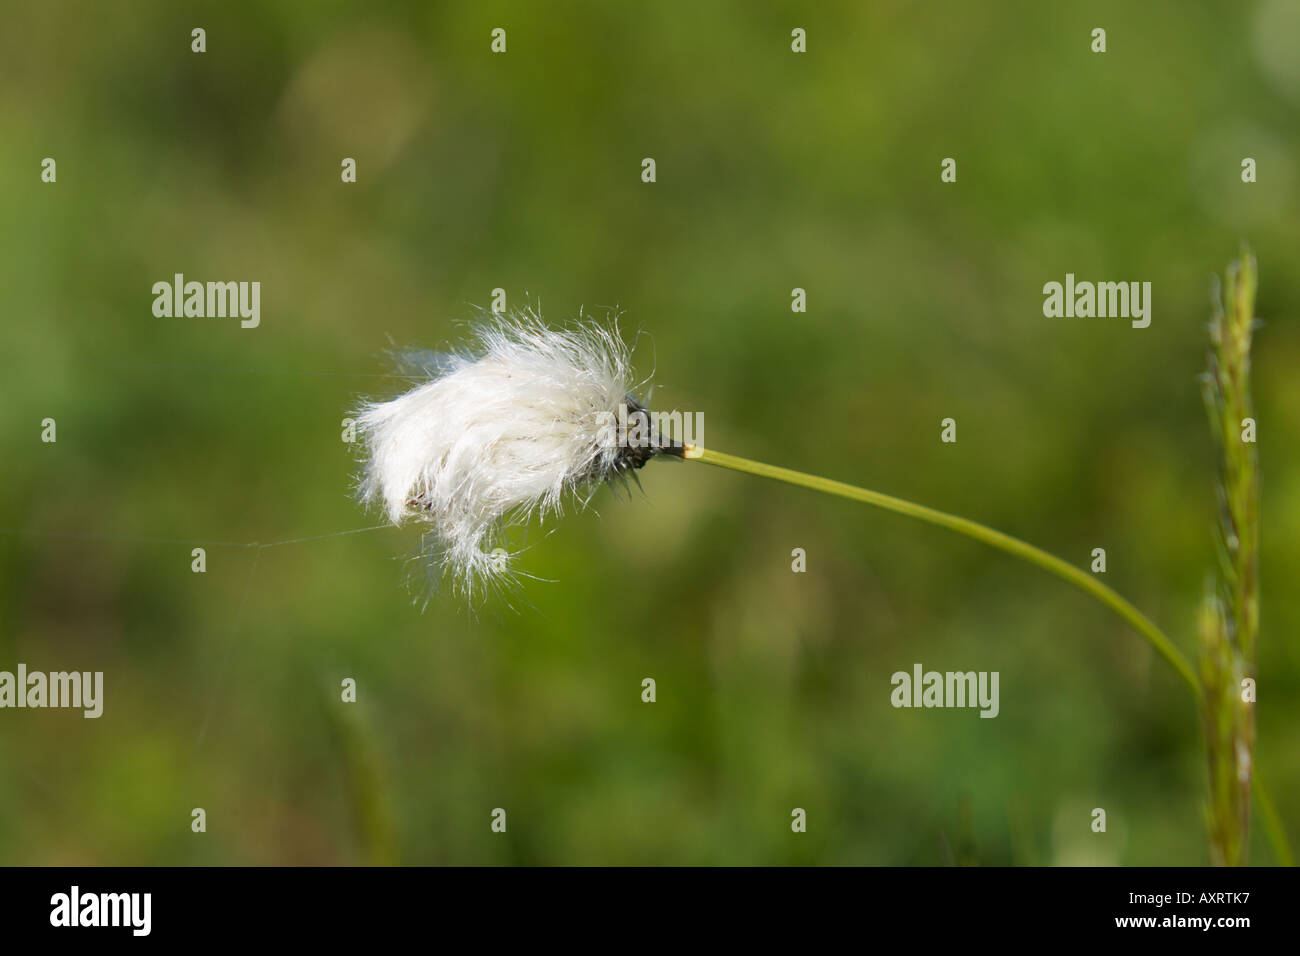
[[522, 171]]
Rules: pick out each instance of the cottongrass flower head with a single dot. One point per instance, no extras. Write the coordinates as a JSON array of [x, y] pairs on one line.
[[517, 426]]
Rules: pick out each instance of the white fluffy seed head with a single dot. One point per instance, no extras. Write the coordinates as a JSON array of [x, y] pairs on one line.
[[513, 428]]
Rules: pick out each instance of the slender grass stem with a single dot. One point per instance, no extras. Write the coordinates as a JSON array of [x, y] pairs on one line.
[[1228, 622], [1272, 822], [971, 529], [1021, 549]]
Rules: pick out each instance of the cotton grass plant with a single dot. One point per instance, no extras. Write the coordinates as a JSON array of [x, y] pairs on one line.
[[513, 428], [519, 426]]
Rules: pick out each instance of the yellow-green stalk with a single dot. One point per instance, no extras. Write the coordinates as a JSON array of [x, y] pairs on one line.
[[1229, 619]]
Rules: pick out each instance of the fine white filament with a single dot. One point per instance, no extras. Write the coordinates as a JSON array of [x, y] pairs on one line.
[[496, 435]]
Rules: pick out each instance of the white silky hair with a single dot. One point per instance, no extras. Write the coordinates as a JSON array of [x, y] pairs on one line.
[[513, 428]]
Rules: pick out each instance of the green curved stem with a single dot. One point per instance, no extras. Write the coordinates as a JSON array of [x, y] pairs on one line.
[[1004, 542]]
